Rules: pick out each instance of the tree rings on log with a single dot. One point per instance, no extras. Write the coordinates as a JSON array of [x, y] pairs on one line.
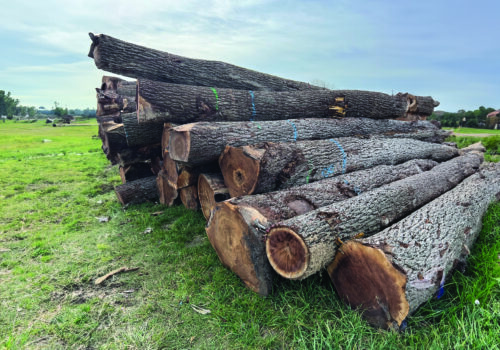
[[290, 255], [364, 277]]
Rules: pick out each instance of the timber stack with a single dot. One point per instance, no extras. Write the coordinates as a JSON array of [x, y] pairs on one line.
[[288, 174]]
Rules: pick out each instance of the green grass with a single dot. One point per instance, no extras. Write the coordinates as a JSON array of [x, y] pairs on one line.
[[52, 248], [474, 131], [491, 143]]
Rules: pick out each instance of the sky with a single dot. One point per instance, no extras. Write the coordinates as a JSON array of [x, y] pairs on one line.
[[449, 50]]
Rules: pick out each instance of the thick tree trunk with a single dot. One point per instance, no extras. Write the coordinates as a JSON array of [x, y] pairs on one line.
[[189, 197], [167, 191], [390, 274], [202, 142], [211, 190], [138, 191], [237, 226], [271, 166], [186, 104], [301, 246], [141, 134], [135, 171], [136, 61]]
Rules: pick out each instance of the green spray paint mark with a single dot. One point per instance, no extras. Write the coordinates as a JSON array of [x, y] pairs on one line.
[[216, 99], [309, 172]]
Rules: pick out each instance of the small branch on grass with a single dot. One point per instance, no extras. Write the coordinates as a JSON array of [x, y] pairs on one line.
[[114, 272]]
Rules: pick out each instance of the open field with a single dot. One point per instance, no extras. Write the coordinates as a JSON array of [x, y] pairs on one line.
[[473, 132], [56, 183]]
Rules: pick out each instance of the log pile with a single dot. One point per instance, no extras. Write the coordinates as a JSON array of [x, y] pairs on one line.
[[293, 178]]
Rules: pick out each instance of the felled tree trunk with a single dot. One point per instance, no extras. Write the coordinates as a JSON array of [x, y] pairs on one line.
[[236, 227], [211, 190], [187, 103], [301, 246], [271, 166], [202, 142], [121, 57], [390, 274], [138, 191], [141, 134], [189, 197], [135, 171]]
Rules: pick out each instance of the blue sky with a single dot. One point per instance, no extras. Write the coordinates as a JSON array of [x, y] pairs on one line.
[[447, 49]]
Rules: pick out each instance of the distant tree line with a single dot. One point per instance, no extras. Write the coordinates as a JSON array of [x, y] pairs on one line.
[[9, 106], [471, 119]]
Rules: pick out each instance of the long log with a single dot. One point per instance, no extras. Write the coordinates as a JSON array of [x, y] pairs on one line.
[[138, 191], [389, 275], [211, 190], [237, 227], [187, 103], [113, 140], [303, 245], [121, 57], [131, 155], [271, 166], [202, 142]]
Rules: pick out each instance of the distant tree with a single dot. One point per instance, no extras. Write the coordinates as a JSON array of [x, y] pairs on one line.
[[8, 104], [59, 111]]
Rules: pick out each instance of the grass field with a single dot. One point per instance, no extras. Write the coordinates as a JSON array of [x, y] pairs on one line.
[[472, 131], [56, 183]]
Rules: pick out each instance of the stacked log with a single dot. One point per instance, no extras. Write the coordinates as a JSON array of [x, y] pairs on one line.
[[288, 174]]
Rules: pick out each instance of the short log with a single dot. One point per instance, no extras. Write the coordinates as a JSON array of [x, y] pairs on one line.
[[138, 191], [211, 190]]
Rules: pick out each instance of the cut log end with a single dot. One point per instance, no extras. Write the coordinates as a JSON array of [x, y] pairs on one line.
[[211, 191], [226, 231], [240, 171], [179, 145], [287, 252], [364, 278]]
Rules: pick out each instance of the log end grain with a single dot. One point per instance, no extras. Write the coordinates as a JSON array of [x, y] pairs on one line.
[[167, 191], [365, 279], [189, 197], [287, 252], [237, 249], [211, 190], [240, 168], [180, 143]]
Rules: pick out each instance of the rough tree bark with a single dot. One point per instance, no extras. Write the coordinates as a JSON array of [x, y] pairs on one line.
[[211, 190], [141, 134], [186, 104], [236, 227], [202, 142], [138, 191], [271, 166], [121, 57], [301, 246], [390, 274]]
